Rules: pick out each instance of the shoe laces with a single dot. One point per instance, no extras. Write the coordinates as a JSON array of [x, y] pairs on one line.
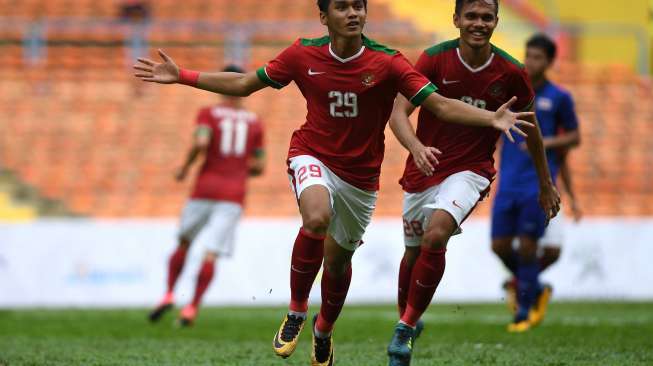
[[291, 328], [322, 349], [404, 334]]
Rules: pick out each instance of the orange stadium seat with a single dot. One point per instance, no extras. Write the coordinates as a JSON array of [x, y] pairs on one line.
[[106, 145]]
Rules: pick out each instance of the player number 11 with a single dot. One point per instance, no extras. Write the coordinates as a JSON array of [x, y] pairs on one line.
[[343, 104]]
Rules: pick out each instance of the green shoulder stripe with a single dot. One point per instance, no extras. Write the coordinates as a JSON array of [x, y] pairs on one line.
[[263, 76], [442, 47], [315, 42], [375, 46], [506, 56]]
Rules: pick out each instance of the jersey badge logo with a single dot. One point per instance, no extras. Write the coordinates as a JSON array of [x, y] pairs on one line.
[[497, 90], [368, 79], [313, 73], [544, 104]]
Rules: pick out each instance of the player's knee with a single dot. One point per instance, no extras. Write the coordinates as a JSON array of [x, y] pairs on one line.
[[336, 267], [410, 255], [436, 237], [552, 254], [527, 250], [210, 256], [501, 247], [184, 243], [317, 222]]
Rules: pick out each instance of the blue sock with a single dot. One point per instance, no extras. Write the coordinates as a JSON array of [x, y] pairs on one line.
[[528, 287]]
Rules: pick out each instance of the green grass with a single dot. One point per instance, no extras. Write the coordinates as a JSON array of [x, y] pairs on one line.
[[573, 334]]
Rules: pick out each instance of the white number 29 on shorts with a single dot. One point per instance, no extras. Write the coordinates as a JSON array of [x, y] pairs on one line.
[[312, 170]]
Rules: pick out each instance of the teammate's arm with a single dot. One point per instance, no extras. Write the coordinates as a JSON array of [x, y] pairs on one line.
[[549, 196], [256, 163], [226, 83], [567, 140], [200, 146], [568, 186], [424, 157], [456, 111]]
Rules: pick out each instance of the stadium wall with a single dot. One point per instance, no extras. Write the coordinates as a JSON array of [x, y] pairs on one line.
[[81, 263]]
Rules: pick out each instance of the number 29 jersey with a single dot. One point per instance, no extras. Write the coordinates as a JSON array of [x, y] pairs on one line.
[[349, 102], [236, 137]]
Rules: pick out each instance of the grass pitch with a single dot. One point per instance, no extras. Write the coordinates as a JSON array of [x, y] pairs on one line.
[[572, 334]]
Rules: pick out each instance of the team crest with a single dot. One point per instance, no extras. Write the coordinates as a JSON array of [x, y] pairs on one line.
[[497, 90], [368, 79]]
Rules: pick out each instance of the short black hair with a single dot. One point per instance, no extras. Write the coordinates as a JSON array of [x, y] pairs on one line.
[[324, 4], [545, 43], [460, 3], [233, 68]]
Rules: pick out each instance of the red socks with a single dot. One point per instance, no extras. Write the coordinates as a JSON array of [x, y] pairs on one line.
[[203, 280], [425, 278], [404, 285], [334, 293], [175, 265], [307, 256]]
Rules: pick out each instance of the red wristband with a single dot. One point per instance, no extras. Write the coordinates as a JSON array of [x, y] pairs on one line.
[[188, 77]]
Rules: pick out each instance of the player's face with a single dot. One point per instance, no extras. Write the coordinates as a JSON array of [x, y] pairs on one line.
[[345, 18], [536, 62], [477, 21]]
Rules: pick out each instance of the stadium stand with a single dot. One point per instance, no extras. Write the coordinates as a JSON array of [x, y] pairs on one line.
[[79, 129]]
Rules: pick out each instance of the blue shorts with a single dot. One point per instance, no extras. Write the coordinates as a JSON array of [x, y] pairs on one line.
[[517, 215]]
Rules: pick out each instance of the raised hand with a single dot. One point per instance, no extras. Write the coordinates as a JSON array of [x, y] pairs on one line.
[[508, 121], [425, 158], [156, 72]]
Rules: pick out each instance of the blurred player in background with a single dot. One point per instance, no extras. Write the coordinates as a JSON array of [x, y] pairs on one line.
[[475, 71], [230, 140], [516, 213], [334, 160]]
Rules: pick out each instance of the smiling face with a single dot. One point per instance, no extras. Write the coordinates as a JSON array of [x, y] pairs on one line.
[[477, 21], [345, 18]]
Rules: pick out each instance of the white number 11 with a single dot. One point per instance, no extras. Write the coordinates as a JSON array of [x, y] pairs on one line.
[[234, 137]]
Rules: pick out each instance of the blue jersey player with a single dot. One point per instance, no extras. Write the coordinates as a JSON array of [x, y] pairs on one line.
[[516, 213]]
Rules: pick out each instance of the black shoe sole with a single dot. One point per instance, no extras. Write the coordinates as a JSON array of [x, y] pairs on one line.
[[158, 313]]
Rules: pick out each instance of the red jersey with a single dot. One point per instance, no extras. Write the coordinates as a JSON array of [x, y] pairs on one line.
[[487, 87], [349, 102], [236, 136]]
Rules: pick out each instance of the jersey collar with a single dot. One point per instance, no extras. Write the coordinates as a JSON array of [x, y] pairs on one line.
[[478, 69], [345, 60]]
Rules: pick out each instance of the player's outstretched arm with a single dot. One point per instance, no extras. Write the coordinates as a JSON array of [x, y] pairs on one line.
[[226, 83], [549, 196], [456, 111], [424, 157]]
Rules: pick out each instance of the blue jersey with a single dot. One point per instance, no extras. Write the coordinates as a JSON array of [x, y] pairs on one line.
[[555, 111]]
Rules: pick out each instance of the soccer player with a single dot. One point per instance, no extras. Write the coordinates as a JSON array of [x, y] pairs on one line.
[[230, 140], [516, 213], [470, 69], [349, 82]]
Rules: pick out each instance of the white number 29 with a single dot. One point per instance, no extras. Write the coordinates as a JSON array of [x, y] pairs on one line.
[[343, 104]]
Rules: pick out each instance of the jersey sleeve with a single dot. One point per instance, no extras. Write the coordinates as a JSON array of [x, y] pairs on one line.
[[413, 85], [279, 72], [203, 122], [523, 90], [566, 114], [425, 66]]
